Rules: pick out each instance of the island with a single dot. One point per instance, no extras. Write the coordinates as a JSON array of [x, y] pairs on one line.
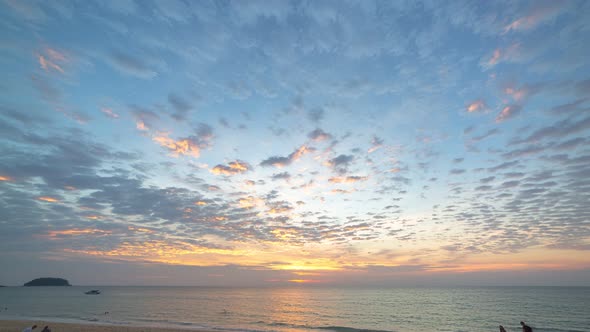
[[48, 282]]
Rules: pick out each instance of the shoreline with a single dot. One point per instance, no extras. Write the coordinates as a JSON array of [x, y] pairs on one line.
[[13, 325]]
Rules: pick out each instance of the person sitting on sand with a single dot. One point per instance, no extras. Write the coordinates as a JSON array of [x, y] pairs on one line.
[[46, 329], [502, 329], [30, 329], [526, 328]]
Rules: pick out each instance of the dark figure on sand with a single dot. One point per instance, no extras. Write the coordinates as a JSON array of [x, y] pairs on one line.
[[526, 328], [46, 329], [30, 329], [502, 329]]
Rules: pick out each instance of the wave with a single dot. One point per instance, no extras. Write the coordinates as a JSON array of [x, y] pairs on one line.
[[325, 328], [548, 329], [347, 329]]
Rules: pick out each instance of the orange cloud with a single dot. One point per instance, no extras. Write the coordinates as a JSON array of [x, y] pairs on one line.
[[476, 106], [76, 232], [200, 203], [5, 178], [249, 202], [279, 210], [299, 153], [184, 146], [48, 199], [141, 125], [233, 168], [140, 229]]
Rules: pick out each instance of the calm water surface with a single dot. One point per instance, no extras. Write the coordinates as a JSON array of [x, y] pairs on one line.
[[307, 309]]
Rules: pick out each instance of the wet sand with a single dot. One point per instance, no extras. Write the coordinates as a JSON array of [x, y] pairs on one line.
[[19, 325]]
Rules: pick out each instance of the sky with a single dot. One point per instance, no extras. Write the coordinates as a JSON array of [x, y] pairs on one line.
[[273, 143]]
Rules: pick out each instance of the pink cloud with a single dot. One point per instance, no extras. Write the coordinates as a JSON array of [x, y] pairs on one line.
[[495, 57], [512, 53], [50, 60], [538, 15], [476, 106], [109, 112], [508, 112]]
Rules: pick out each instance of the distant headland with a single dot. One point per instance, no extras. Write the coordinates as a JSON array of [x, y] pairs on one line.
[[47, 282]]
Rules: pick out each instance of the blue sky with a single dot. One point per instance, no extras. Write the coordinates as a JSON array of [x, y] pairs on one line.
[[338, 142]]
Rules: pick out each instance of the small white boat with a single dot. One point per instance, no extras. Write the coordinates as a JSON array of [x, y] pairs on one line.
[[92, 292]]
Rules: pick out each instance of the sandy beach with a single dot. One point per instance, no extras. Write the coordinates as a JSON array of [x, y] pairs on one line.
[[19, 325]]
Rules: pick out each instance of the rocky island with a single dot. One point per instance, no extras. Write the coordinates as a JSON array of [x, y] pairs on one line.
[[47, 282]]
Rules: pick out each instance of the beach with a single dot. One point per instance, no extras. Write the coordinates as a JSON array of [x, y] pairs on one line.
[[19, 325]]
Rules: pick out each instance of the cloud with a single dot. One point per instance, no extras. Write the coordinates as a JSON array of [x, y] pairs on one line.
[[232, 168], [340, 161], [48, 64], [180, 105], [319, 135], [376, 144], [347, 179], [286, 161], [109, 113], [560, 129], [503, 166], [316, 114], [341, 191], [489, 133], [570, 108], [512, 53], [495, 58], [188, 146], [508, 112], [48, 199], [522, 93], [250, 202], [539, 14], [144, 119], [281, 176], [583, 88], [128, 64], [476, 106]]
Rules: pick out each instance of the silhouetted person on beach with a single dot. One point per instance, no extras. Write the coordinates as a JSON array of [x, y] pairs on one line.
[[46, 329], [526, 328], [502, 329], [30, 329]]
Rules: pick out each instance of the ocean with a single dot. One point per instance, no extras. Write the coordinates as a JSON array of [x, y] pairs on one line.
[[307, 308]]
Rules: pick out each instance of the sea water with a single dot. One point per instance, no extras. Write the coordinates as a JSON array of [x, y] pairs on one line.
[[307, 309]]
